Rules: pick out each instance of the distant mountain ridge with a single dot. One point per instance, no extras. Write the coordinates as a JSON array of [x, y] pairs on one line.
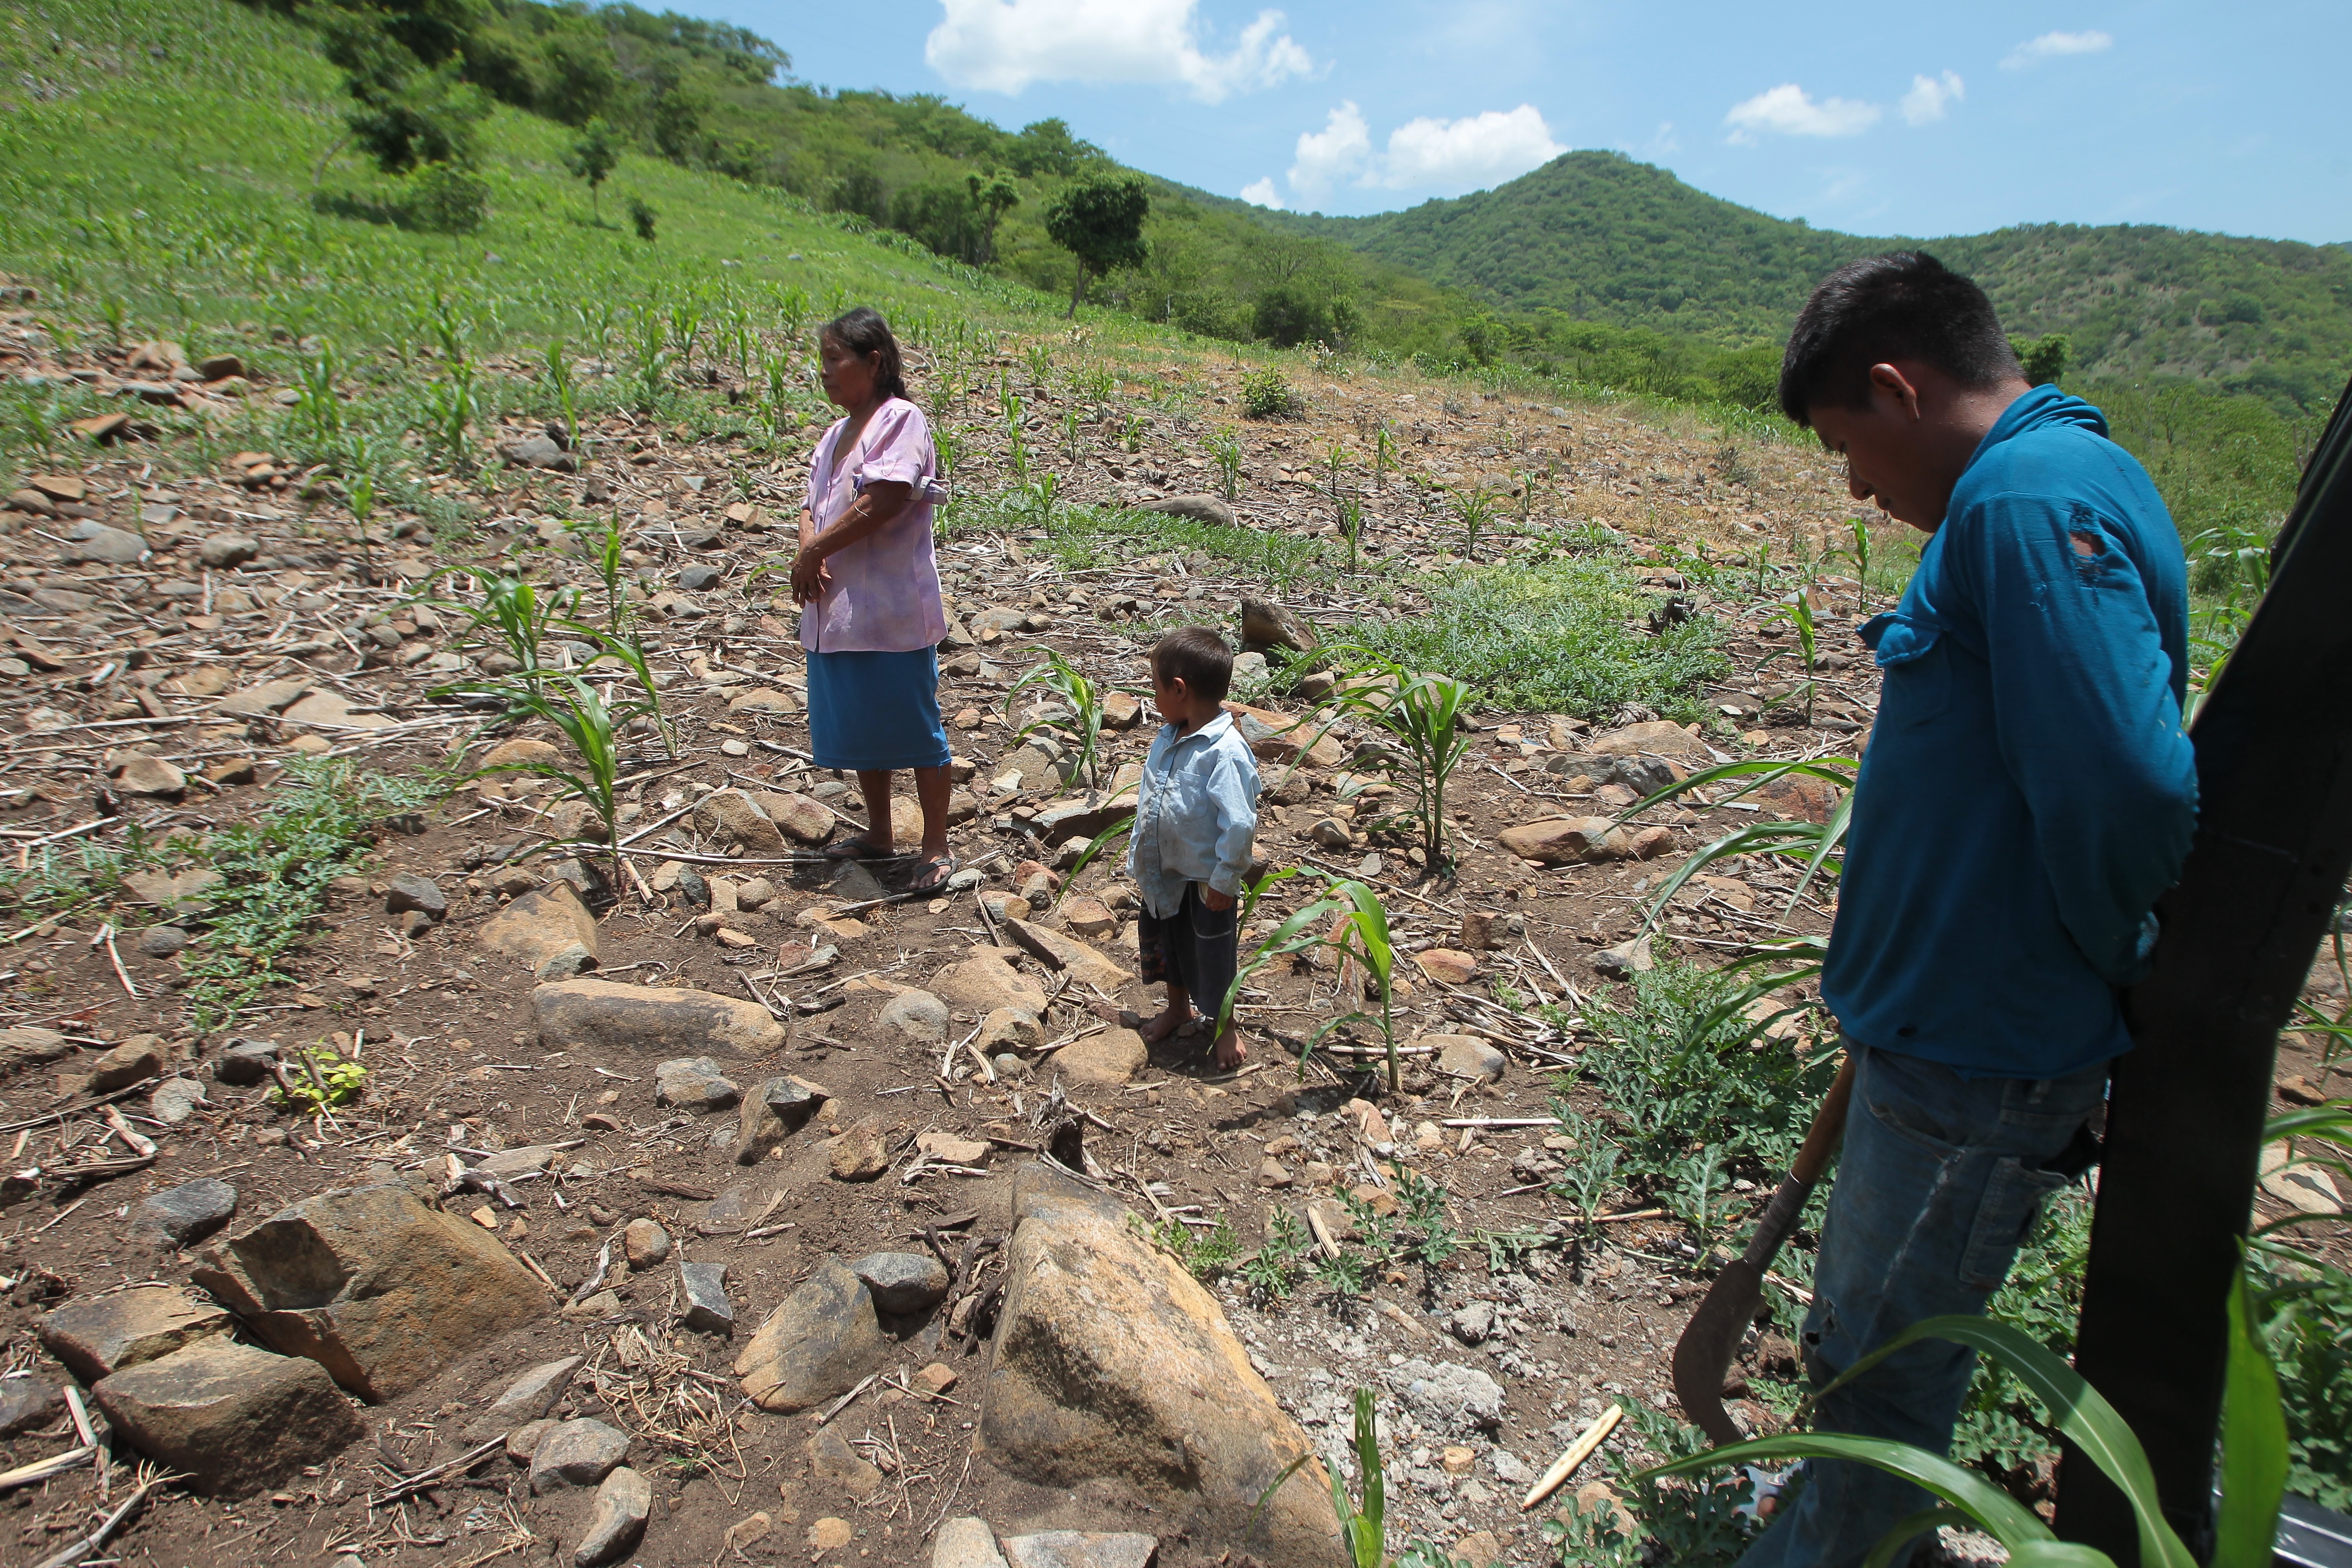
[[1599, 236]]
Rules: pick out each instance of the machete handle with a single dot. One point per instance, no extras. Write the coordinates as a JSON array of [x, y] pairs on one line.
[[1829, 1126]]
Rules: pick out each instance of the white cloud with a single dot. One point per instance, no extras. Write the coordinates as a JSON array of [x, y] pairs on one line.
[[2053, 45], [1471, 152], [1425, 153], [1338, 152], [1930, 99], [1003, 45], [1791, 110], [1262, 193]]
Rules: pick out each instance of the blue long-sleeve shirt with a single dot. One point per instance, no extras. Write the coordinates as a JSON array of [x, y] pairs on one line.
[[2028, 791], [1195, 814]]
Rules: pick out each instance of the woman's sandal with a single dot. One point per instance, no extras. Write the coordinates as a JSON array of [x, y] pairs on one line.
[[932, 876]]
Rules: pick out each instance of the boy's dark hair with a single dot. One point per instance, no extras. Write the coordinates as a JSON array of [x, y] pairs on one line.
[[863, 332], [1905, 305], [1197, 657]]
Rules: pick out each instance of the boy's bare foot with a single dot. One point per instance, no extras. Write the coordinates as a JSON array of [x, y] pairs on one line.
[[1231, 1052], [1175, 1017]]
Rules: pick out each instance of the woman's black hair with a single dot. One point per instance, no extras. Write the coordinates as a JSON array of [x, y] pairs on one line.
[[864, 332]]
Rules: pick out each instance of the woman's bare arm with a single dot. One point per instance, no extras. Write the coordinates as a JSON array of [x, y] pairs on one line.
[[875, 505]]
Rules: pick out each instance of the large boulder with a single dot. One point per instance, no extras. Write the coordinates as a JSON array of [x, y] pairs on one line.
[[1567, 840], [231, 1417], [1111, 1362], [816, 1345], [550, 933], [379, 1289], [597, 1016]]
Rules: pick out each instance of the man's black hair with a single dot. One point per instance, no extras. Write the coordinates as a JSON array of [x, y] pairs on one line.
[[1197, 657], [1905, 305], [864, 332]]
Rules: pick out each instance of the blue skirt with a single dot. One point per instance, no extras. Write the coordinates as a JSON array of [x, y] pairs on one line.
[[872, 712]]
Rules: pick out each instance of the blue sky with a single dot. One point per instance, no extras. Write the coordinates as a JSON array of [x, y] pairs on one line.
[[1920, 120]]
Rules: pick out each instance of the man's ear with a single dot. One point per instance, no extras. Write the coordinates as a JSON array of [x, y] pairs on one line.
[[1887, 381]]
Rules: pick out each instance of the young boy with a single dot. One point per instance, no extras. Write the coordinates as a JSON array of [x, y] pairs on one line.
[[1195, 814]]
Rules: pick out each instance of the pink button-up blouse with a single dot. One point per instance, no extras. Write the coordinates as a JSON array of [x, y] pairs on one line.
[[885, 593]]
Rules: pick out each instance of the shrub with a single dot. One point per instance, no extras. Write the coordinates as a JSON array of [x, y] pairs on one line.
[[1266, 394], [443, 198], [641, 217]]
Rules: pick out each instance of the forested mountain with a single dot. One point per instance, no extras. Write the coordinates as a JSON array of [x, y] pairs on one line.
[[1599, 238]]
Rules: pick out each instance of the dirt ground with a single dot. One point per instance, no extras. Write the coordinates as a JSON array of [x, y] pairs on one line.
[[445, 1029]]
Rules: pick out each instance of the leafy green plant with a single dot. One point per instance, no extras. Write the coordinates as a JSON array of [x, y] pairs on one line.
[[1130, 433], [1384, 456], [1359, 931], [1267, 394], [1798, 613], [1364, 1522], [1858, 551], [558, 361], [1205, 1255], [1423, 716], [329, 1082], [1225, 451], [1818, 847], [1422, 1214], [316, 407], [1081, 711], [1269, 1273], [1475, 508], [575, 707], [643, 218], [1351, 527]]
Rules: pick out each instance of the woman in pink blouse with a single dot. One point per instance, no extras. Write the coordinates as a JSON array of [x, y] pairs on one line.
[[868, 588]]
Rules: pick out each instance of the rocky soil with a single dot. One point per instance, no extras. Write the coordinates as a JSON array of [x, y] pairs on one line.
[[737, 1207]]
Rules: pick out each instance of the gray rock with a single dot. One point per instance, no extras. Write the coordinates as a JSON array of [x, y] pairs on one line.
[[1080, 1549], [162, 942], [832, 1458], [603, 1018], [181, 1216], [853, 884], [781, 1108], [700, 577], [538, 452], [409, 891], [624, 1502], [95, 542], [708, 1309], [27, 1403], [1450, 1398], [816, 1345], [523, 1441], [232, 1417], [1625, 960], [175, 1100], [902, 1281], [377, 1288], [1510, 1469], [245, 1062], [133, 1061], [550, 931], [526, 1399], [1012, 1066], [225, 550], [966, 1542], [645, 1244], [576, 1454], [1466, 1055], [694, 1083], [1473, 1324], [100, 1334], [915, 1018], [1211, 509]]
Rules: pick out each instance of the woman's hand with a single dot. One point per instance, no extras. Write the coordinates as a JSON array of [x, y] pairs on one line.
[[810, 577]]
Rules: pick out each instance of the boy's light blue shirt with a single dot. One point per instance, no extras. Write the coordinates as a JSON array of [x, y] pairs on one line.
[[1195, 814]]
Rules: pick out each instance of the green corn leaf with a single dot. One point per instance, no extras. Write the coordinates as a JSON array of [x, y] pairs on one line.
[[2079, 1411], [2253, 1445], [1994, 1511], [1897, 1541]]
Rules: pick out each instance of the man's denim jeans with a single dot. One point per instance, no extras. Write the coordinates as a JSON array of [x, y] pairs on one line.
[[1939, 1179]]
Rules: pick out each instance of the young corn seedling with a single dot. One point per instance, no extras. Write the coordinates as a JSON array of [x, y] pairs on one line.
[[1359, 930], [1130, 436], [686, 324], [1351, 526], [1081, 709], [1858, 553], [1226, 452], [1422, 714], [1798, 613], [1475, 508], [316, 405], [1040, 365], [1070, 431], [1817, 847], [1384, 456], [1334, 463], [1363, 1524], [560, 381], [575, 707]]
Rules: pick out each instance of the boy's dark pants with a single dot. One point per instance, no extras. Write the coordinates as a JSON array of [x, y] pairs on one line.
[[1197, 948]]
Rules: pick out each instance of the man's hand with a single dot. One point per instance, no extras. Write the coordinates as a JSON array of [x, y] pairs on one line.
[[810, 577], [1216, 900]]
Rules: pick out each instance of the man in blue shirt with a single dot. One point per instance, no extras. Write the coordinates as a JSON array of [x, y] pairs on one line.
[[2027, 793]]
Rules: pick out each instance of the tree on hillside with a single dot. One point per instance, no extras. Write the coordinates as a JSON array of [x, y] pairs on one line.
[[406, 111], [1099, 222], [993, 197], [1046, 147], [592, 157]]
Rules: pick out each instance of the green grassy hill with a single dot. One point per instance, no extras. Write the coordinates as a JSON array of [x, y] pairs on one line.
[[1599, 238]]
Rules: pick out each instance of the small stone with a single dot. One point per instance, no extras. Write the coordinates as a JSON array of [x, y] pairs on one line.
[[245, 1062], [524, 1440], [1480, 1548], [624, 1502], [700, 577], [578, 1453], [966, 1542], [936, 1378], [1627, 958], [1457, 1460], [603, 1016], [902, 1282], [915, 1018], [818, 1344], [111, 546], [162, 942], [175, 1100], [1448, 1397], [950, 1149], [1467, 1056], [231, 1417], [223, 551], [538, 452], [1089, 918], [101, 1334], [409, 891], [1447, 967], [708, 1309], [694, 1083], [27, 1403], [830, 1534], [832, 1458], [151, 776], [178, 1217], [1270, 1173], [1076, 1549], [526, 1399], [552, 932], [645, 1245], [859, 1154], [1473, 1325]]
